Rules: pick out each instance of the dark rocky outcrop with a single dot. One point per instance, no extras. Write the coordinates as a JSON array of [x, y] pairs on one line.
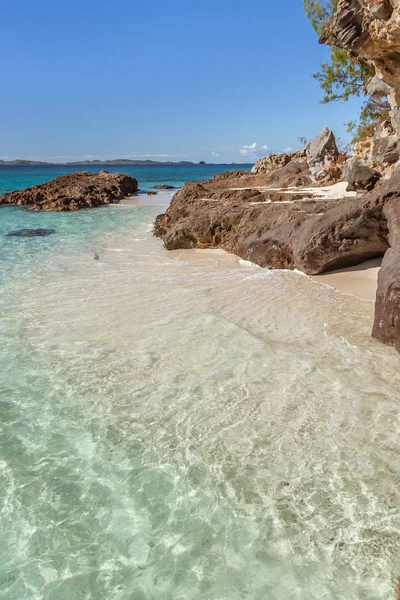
[[385, 151], [164, 187], [370, 31], [277, 229], [387, 306], [75, 191], [360, 177]]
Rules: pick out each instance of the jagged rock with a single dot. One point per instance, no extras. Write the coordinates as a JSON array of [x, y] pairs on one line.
[[74, 192], [295, 174], [276, 229], [360, 176], [272, 162], [381, 9], [385, 151], [322, 152], [370, 31], [378, 88]]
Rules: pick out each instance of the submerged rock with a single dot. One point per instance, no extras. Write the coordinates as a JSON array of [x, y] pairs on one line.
[[31, 233], [164, 187], [74, 192]]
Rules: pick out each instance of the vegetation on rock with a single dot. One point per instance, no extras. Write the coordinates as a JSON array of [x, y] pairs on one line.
[[342, 77]]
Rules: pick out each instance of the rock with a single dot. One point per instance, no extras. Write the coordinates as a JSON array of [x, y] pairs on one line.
[[31, 233], [322, 152], [360, 176], [164, 187], [378, 88], [370, 31], [272, 162], [387, 307], [385, 151], [381, 9], [295, 174], [73, 192], [152, 193], [286, 229]]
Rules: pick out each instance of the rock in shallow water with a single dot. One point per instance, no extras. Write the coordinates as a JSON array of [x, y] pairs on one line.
[[73, 192], [31, 233]]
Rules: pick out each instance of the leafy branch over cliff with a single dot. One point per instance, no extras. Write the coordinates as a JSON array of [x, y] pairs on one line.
[[341, 78]]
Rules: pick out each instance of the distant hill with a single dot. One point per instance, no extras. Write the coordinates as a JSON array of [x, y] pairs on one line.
[[116, 163]]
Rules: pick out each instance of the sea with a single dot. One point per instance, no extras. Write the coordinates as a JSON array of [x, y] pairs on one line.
[[185, 425]]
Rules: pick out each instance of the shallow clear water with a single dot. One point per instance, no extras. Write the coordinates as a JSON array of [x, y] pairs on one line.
[[20, 177], [179, 426]]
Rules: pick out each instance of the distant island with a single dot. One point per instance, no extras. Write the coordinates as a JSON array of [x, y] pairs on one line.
[[117, 162]]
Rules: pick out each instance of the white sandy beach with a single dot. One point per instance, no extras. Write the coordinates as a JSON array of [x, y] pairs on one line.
[[360, 280]]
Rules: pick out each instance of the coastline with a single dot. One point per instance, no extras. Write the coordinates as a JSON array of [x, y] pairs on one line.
[[360, 280]]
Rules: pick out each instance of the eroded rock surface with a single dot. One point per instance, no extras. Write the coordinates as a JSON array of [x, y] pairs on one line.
[[322, 152], [360, 177], [75, 191], [370, 31], [387, 306], [287, 228]]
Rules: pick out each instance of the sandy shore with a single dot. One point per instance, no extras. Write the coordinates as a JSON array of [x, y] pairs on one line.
[[360, 281]]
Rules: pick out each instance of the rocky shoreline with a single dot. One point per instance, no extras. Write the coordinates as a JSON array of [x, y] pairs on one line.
[[281, 217], [73, 192]]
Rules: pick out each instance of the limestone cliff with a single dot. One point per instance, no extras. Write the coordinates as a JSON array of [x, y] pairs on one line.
[[370, 31]]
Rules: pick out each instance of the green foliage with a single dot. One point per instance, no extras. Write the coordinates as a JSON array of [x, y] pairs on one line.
[[372, 113], [319, 13], [341, 77]]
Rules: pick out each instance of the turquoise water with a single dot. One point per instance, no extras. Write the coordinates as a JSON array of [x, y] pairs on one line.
[[187, 426], [14, 178]]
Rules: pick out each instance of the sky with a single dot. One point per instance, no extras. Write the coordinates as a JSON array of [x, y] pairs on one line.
[[214, 80]]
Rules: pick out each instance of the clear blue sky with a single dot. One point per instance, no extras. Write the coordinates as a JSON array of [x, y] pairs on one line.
[[212, 80]]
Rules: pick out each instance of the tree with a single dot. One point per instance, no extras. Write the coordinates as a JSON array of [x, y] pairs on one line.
[[341, 77]]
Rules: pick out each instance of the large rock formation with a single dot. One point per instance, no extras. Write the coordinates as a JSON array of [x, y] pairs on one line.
[[370, 31], [304, 229], [321, 157], [74, 191], [387, 306], [285, 228]]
